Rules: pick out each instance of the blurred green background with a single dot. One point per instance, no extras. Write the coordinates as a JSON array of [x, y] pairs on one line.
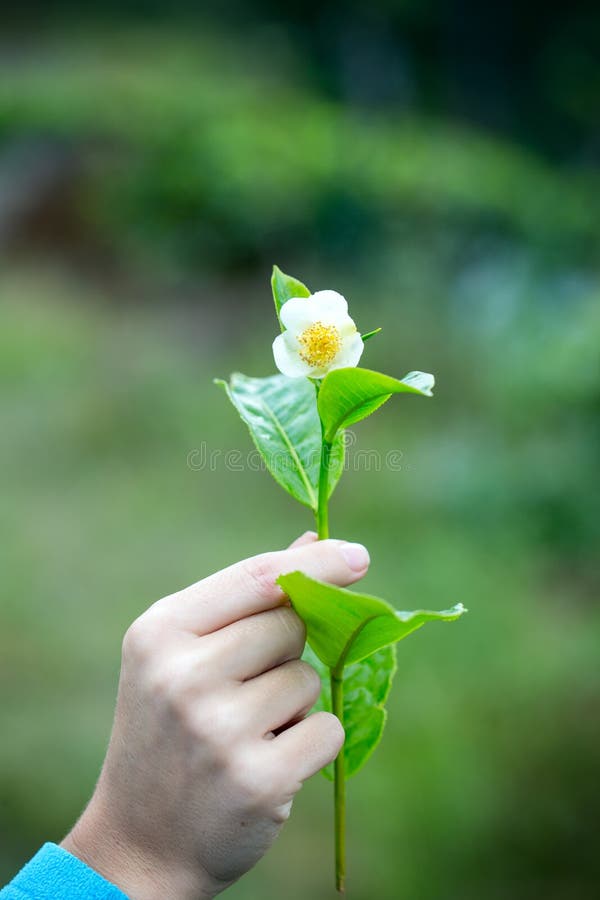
[[437, 163]]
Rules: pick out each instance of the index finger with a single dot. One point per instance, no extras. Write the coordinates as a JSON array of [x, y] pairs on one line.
[[250, 587]]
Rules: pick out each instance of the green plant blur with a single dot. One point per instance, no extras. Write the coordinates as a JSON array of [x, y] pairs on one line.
[[148, 177]]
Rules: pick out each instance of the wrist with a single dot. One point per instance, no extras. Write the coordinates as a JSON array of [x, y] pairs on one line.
[[140, 873]]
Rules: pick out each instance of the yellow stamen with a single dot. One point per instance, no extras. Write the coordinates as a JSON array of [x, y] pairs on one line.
[[319, 344]]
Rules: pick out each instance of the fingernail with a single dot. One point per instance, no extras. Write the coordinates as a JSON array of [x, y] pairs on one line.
[[356, 556]]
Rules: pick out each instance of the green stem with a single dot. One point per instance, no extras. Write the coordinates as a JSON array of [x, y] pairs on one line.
[[322, 509], [339, 787], [337, 684], [337, 692]]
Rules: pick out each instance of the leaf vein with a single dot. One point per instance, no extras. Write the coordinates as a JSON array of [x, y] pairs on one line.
[[292, 450]]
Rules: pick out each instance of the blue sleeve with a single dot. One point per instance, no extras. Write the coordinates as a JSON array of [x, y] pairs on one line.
[[54, 874]]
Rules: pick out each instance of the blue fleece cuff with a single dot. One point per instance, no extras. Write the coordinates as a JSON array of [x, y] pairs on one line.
[[54, 874]]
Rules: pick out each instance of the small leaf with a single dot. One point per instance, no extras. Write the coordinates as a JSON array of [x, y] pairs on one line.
[[281, 415], [344, 627], [366, 688], [349, 395], [284, 288], [370, 334]]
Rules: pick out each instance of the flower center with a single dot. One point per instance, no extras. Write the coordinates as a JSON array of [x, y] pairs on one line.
[[319, 344]]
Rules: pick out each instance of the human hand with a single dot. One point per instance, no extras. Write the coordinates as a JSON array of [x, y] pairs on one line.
[[210, 742]]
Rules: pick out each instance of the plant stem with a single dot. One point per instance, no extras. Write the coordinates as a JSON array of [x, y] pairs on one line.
[[339, 787], [322, 509], [337, 684], [337, 693]]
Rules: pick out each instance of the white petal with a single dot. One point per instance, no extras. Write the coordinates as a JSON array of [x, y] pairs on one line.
[[297, 314], [330, 307], [346, 327], [351, 352], [287, 359]]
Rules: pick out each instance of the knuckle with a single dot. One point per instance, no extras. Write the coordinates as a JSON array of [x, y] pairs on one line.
[[163, 680], [262, 783], [189, 672], [281, 813], [213, 723], [139, 640], [293, 628], [293, 623], [261, 572], [309, 677], [175, 680], [252, 781], [199, 721]]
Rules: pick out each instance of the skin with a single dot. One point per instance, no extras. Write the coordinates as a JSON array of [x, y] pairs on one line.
[[211, 738]]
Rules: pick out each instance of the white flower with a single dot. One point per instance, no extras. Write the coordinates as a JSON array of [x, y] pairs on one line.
[[319, 336]]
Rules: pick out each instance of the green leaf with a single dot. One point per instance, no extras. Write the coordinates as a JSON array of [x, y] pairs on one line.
[[344, 627], [355, 635], [281, 415], [349, 395], [284, 288], [370, 334], [366, 688]]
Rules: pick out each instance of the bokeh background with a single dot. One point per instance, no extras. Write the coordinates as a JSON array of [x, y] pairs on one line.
[[436, 162]]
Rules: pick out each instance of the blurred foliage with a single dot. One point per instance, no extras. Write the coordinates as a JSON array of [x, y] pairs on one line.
[[182, 164], [527, 73], [198, 160]]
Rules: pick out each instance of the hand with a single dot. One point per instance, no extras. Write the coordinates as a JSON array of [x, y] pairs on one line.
[[210, 742]]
